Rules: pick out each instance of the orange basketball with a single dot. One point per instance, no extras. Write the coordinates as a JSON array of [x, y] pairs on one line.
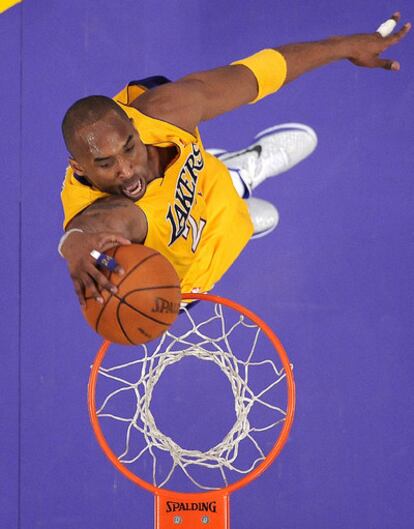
[[147, 301]]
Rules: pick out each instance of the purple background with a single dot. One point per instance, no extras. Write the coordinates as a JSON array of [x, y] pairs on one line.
[[334, 281]]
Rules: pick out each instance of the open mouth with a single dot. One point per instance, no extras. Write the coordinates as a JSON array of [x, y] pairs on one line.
[[135, 189]]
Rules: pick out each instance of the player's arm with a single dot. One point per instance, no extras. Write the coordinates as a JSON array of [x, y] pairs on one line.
[[204, 95], [106, 223], [362, 50]]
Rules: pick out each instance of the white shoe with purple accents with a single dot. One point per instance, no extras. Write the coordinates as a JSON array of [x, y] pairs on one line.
[[276, 150], [264, 216]]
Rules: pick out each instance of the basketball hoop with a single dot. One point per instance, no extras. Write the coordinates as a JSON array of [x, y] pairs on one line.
[[259, 374]]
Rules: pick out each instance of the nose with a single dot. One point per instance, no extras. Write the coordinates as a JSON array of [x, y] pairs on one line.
[[125, 169]]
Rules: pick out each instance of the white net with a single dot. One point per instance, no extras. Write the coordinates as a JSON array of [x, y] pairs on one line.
[[237, 348]]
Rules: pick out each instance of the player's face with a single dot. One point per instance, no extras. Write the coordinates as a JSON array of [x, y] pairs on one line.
[[111, 155]]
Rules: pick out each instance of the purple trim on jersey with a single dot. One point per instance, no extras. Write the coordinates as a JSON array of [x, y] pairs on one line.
[[82, 180], [150, 82]]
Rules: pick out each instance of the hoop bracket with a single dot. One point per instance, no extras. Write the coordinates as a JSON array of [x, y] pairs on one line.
[[192, 511]]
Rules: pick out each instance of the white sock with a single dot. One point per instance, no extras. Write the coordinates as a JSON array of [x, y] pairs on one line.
[[238, 183]]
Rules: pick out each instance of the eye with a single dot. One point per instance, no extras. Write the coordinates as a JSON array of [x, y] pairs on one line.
[[104, 165], [130, 148]]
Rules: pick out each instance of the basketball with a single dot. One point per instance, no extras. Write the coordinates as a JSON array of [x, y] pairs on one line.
[[147, 301]]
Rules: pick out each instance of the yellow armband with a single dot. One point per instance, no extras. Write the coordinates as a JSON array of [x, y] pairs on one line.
[[269, 68]]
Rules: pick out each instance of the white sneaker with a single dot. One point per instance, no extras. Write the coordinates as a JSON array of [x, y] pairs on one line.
[[276, 150], [264, 215]]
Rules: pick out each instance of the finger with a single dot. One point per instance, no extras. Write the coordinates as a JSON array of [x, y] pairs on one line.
[[90, 286], [119, 270], [109, 240], [387, 27], [396, 16], [103, 260], [115, 267], [102, 281], [80, 293], [396, 37], [387, 64]]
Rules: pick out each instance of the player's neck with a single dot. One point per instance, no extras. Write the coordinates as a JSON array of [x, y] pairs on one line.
[[161, 158]]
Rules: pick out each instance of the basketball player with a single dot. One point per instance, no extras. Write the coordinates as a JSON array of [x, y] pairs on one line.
[[139, 171]]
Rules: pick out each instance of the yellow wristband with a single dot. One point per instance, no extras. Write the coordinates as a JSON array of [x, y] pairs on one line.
[[269, 68]]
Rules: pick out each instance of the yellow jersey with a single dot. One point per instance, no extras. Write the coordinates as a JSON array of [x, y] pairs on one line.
[[195, 217]]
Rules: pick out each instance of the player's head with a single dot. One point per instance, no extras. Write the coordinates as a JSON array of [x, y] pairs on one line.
[[105, 147]]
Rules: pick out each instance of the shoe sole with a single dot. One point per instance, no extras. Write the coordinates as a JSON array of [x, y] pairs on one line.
[[288, 127], [264, 233]]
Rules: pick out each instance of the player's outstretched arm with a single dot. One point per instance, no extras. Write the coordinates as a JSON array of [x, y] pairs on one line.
[[204, 95], [109, 222], [362, 50]]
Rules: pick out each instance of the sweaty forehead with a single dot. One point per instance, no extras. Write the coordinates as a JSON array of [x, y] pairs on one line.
[[103, 137]]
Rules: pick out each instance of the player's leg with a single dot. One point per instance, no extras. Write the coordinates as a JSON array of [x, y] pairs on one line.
[[275, 151], [264, 215]]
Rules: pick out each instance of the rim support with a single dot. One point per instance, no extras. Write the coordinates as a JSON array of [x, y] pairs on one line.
[[194, 511]]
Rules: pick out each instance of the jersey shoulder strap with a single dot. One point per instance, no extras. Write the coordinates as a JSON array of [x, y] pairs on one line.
[[136, 88]]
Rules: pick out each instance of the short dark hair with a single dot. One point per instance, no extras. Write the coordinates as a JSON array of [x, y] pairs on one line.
[[86, 111]]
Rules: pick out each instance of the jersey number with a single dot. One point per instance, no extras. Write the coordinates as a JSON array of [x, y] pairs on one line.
[[196, 231]]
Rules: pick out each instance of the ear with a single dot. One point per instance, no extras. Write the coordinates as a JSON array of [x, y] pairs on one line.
[[133, 124], [77, 168]]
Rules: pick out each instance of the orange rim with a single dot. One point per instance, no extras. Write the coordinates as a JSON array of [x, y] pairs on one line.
[[271, 456]]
